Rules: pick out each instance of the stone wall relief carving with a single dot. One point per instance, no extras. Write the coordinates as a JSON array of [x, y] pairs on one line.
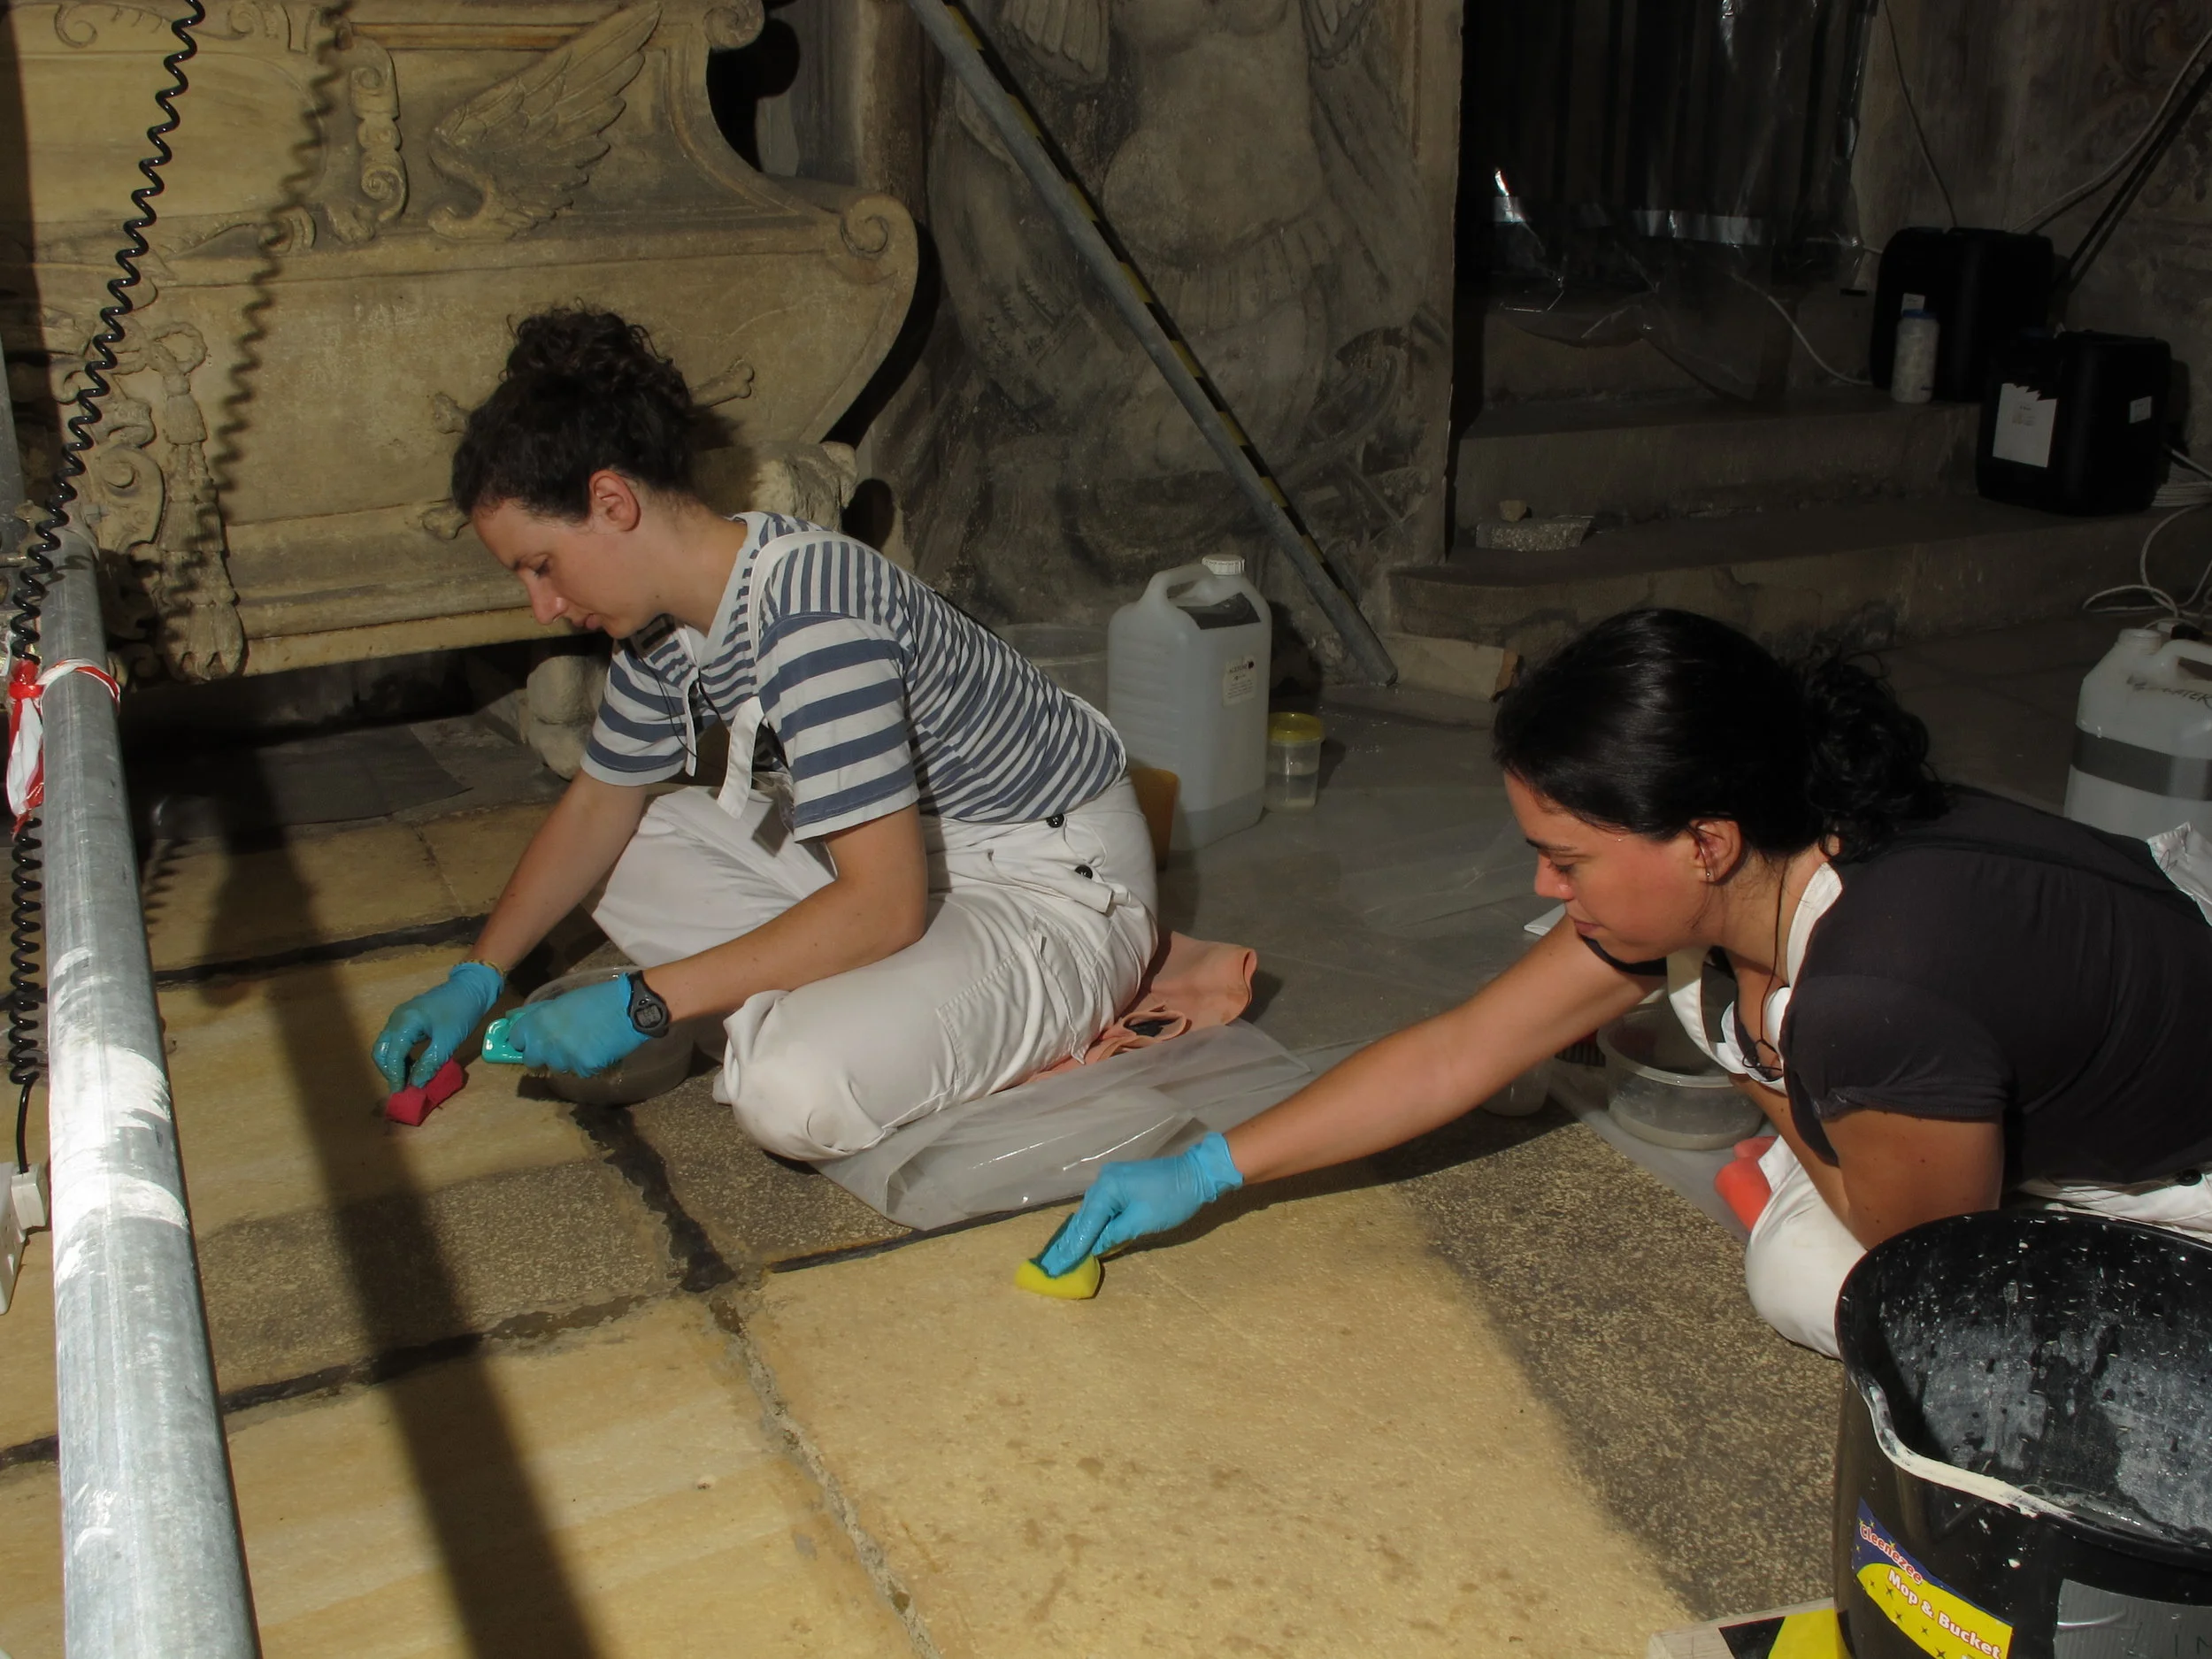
[[356, 173], [528, 143], [522, 147], [2144, 45], [1253, 157], [149, 504], [364, 176], [279, 59]]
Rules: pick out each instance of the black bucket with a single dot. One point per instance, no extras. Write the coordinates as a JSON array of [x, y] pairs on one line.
[[2025, 1465]]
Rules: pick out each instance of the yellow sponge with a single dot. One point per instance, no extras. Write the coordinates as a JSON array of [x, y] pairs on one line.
[[1079, 1283]]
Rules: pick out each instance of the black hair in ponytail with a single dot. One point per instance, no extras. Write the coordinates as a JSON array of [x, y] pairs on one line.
[[583, 391], [1653, 720]]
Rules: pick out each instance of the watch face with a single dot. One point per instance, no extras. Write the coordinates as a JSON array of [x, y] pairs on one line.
[[648, 1012]]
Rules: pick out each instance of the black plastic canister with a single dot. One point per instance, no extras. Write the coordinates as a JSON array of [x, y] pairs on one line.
[[2075, 422], [2025, 1465], [1982, 287]]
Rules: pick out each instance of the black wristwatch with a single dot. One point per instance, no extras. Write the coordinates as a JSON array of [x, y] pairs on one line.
[[648, 1014]]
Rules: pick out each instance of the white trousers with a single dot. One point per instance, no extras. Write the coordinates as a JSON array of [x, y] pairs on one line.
[[1039, 934], [1799, 1253]]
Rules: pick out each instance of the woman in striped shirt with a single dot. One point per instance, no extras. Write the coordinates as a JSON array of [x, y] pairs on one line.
[[927, 878]]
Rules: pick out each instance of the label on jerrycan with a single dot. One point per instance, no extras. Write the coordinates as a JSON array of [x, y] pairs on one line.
[[1241, 682]]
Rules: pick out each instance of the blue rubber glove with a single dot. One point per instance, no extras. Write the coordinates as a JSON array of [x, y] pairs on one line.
[[1128, 1200], [439, 1019], [581, 1032]]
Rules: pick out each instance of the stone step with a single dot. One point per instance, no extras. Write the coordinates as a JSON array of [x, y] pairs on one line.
[[1665, 458], [1872, 572]]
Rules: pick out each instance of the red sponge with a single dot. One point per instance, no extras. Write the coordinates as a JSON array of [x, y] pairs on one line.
[[411, 1105]]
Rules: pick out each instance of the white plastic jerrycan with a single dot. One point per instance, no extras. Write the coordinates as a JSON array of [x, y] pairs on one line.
[[2143, 736], [1187, 681]]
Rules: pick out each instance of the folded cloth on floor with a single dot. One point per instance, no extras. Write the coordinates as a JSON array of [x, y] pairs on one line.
[[1193, 984]]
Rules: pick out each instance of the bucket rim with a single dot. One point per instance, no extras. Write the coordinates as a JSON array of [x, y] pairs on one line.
[[1860, 1380]]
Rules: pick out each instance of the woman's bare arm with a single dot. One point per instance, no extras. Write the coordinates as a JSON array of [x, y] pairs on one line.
[[1892, 1171], [1430, 1073], [877, 906], [1898, 1172], [573, 849]]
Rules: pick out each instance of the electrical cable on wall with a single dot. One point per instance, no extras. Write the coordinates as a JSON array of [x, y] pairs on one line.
[[1804, 339], [2101, 229], [36, 569], [1912, 110], [2044, 215]]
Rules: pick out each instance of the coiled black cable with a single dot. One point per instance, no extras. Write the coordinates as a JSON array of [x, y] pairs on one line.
[[26, 997]]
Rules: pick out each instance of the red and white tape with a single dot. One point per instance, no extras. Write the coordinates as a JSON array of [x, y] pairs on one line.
[[26, 726]]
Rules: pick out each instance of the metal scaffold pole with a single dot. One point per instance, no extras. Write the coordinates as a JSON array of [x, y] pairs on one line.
[[152, 1564]]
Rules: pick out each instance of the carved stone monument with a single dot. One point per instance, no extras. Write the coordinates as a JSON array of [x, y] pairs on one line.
[[363, 197]]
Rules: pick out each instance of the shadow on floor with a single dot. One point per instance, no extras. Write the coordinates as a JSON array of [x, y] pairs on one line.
[[507, 1580]]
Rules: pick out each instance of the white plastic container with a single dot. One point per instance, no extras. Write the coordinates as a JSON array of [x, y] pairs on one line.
[[2143, 737], [1186, 678], [1294, 761], [1912, 371]]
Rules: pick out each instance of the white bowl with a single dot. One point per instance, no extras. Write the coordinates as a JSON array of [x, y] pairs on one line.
[[1660, 1086], [653, 1068]]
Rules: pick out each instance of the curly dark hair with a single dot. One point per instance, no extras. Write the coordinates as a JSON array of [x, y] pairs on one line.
[[583, 391], [1652, 719]]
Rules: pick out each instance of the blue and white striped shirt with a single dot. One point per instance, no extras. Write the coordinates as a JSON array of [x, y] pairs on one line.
[[880, 694]]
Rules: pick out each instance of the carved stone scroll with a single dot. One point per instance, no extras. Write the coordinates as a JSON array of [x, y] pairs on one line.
[[364, 177]]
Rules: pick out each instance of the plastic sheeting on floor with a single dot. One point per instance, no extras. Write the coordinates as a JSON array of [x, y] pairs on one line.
[[1042, 1141]]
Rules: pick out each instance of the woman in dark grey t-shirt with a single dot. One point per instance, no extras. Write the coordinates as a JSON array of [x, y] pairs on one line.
[[1935, 995]]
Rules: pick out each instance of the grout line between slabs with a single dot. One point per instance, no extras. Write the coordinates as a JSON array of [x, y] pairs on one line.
[[777, 1415]]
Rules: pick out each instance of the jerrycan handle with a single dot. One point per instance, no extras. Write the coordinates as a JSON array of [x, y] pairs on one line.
[[2193, 650], [1182, 576]]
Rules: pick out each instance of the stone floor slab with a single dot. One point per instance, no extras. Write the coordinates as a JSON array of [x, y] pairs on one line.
[[279, 1109], [658, 1519], [1993, 741], [756, 1210], [26, 1349], [30, 1571], [1708, 1436], [475, 852], [1296, 1433], [209, 903], [306, 1294], [1474, 1413], [1305, 1004]]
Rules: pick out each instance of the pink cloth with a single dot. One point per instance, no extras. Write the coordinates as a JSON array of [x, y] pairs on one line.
[[1194, 983]]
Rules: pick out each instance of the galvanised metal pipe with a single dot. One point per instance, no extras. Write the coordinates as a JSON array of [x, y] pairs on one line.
[[960, 39], [152, 1564]]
